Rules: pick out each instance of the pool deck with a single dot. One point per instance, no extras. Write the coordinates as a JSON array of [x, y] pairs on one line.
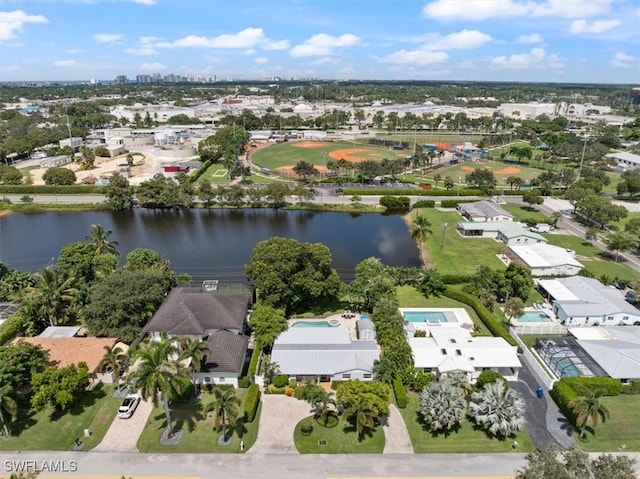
[[348, 322]]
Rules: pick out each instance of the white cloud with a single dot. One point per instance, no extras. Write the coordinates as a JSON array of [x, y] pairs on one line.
[[72, 51], [249, 51], [261, 60], [536, 58], [65, 63], [145, 47], [622, 60], [247, 38], [322, 44], [11, 23], [325, 61], [145, 2], [463, 40], [108, 37], [154, 67], [416, 57], [452, 10], [596, 27], [531, 38]]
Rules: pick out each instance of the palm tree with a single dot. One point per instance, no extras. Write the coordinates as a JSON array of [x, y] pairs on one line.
[[99, 239], [225, 407], [442, 405], [53, 294], [158, 375], [499, 409], [7, 405], [420, 229], [460, 381], [362, 415], [588, 406], [116, 360], [194, 349], [322, 403]]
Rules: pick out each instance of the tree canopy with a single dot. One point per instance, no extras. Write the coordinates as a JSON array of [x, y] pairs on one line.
[[267, 323]]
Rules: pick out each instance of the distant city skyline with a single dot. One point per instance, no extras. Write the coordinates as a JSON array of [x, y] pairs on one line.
[[577, 41]]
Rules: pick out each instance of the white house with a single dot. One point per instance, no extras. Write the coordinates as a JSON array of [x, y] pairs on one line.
[[625, 160], [484, 211], [546, 260], [509, 232], [324, 354], [450, 350], [580, 301]]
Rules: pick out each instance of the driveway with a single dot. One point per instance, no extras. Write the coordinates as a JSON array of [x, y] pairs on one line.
[[278, 420], [123, 434], [396, 436]]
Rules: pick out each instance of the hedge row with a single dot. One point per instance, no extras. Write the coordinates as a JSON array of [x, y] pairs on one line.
[[11, 328], [400, 391], [492, 323], [395, 202], [51, 190], [454, 203], [610, 386], [281, 380], [193, 177], [425, 204], [456, 278], [251, 404], [411, 192], [253, 364], [244, 382], [562, 393]]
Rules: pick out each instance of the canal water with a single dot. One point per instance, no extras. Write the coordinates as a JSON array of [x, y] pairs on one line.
[[214, 244]]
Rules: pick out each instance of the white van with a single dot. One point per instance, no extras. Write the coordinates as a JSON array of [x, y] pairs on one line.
[[541, 228]]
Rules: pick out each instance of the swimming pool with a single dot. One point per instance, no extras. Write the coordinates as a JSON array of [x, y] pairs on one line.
[[364, 316], [311, 324], [533, 317], [425, 317], [565, 368]]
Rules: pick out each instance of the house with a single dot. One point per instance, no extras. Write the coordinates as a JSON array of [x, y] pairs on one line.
[[625, 160], [224, 362], [509, 232], [451, 350], [324, 355], [484, 211], [581, 301], [546, 260]]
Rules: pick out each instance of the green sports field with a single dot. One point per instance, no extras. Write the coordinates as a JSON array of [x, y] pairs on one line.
[[501, 170], [287, 155]]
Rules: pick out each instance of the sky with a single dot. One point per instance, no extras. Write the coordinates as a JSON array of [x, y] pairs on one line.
[[583, 41]]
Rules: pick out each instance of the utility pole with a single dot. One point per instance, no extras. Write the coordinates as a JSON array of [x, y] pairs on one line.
[[584, 148]]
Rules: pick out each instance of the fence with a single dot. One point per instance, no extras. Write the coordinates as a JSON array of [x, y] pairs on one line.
[[533, 362], [540, 329]]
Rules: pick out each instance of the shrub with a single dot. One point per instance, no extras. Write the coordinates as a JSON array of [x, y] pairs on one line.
[[492, 323], [395, 202], [400, 392], [11, 328], [293, 383], [251, 403], [563, 394], [413, 192], [288, 391], [306, 427], [425, 204], [253, 364], [281, 380], [453, 203], [456, 278], [102, 152], [488, 376], [244, 382], [633, 388], [610, 386], [59, 176], [51, 189]]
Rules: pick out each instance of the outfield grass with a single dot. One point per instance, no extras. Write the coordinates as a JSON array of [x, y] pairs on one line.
[[94, 410], [200, 436], [422, 137], [467, 439], [453, 255], [208, 176], [621, 428], [410, 297], [341, 439], [592, 257], [521, 213], [501, 171]]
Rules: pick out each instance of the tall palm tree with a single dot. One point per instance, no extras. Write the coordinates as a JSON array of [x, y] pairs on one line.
[[498, 409], [7, 405], [225, 407], [589, 406], [53, 294], [158, 375], [420, 229], [323, 402], [194, 349], [99, 239], [362, 415], [116, 360]]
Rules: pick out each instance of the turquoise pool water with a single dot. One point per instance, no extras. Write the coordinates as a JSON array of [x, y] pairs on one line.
[[425, 316], [364, 316], [565, 368], [311, 324], [533, 317]]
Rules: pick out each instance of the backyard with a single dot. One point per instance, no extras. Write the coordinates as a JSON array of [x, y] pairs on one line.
[[341, 439]]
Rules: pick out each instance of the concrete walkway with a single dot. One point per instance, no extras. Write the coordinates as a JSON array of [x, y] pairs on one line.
[[278, 420], [123, 434], [397, 440]]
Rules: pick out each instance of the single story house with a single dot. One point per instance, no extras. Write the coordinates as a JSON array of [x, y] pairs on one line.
[[224, 362], [324, 355], [625, 160], [546, 260], [581, 301], [509, 232], [451, 350], [484, 211], [64, 351]]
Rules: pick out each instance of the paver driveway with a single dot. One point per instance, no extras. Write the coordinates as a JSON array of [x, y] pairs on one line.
[[123, 434], [278, 419], [396, 436]]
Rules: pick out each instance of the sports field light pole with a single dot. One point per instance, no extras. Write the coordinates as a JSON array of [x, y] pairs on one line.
[[584, 149], [444, 230], [459, 181]]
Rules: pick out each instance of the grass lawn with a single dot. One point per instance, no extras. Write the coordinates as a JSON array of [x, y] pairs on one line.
[[422, 137], [410, 297], [214, 174], [619, 225], [592, 257], [452, 256], [621, 428], [467, 439], [95, 410], [501, 171], [198, 427], [341, 439], [520, 213]]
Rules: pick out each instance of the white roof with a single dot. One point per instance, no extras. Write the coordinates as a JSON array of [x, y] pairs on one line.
[[60, 332], [625, 156], [616, 349], [543, 255], [557, 290]]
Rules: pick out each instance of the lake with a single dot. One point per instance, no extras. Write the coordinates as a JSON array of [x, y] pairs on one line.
[[214, 244]]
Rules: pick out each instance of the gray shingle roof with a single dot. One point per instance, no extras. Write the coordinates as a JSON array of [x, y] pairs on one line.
[[228, 351], [191, 311]]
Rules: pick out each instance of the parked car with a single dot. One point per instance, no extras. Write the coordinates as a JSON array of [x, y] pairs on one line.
[[631, 297], [129, 405], [541, 228]]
